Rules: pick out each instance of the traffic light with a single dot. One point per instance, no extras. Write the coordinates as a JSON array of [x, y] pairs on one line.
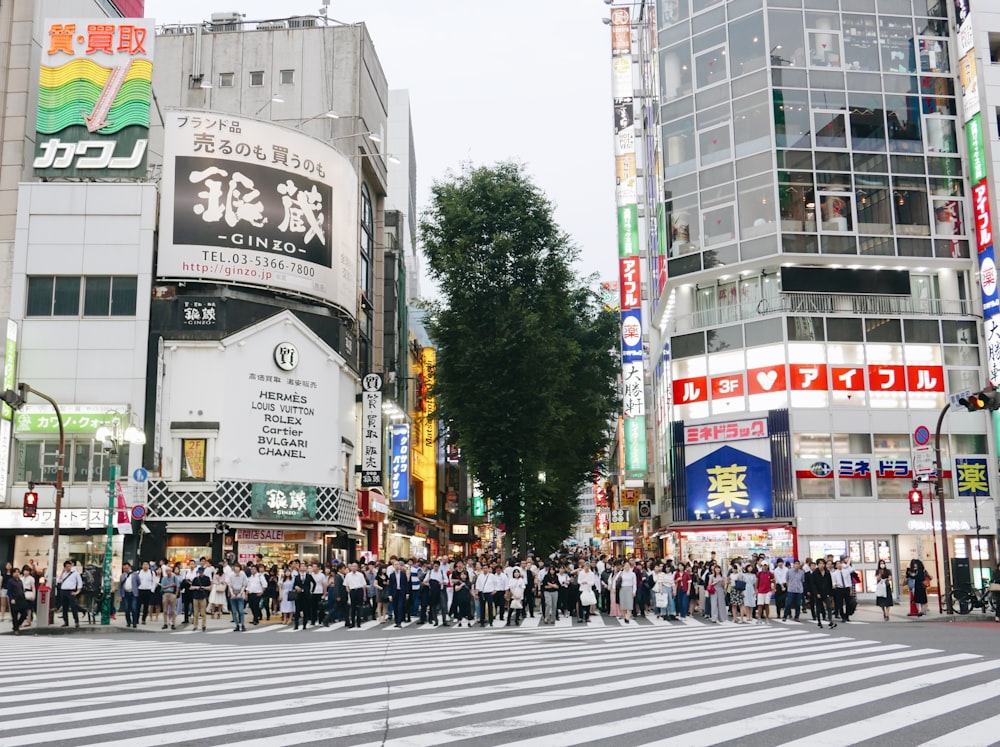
[[30, 508], [916, 501], [987, 399]]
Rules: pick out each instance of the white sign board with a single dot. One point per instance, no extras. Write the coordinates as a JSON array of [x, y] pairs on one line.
[[923, 461]]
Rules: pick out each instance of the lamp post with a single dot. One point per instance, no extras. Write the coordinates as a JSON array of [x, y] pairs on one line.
[[939, 490], [111, 436], [16, 401]]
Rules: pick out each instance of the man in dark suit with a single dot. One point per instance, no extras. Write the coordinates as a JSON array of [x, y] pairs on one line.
[[399, 586]]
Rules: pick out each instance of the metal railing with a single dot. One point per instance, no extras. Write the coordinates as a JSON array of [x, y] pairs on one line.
[[823, 304]]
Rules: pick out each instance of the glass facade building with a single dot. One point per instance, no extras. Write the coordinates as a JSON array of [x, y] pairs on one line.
[[821, 275]]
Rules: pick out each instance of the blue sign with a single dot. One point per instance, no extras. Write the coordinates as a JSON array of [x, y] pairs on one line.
[[988, 282], [729, 483], [140, 475], [399, 466], [922, 435], [632, 335], [971, 477]]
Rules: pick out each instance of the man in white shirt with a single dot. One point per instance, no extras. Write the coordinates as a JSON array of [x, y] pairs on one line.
[[147, 585], [70, 585], [355, 582], [486, 586], [847, 581], [435, 581], [319, 582], [256, 586]]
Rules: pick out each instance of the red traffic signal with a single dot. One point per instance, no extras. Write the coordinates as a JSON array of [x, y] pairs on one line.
[[30, 508], [916, 502]]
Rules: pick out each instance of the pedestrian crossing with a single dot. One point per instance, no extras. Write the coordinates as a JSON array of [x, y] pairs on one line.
[[662, 683]]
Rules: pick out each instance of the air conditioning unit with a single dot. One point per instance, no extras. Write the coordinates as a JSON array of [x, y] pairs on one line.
[[301, 22], [271, 26], [226, 21], [177, 30]]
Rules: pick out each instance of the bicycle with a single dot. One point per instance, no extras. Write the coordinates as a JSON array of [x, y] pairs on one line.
[[967, 599]]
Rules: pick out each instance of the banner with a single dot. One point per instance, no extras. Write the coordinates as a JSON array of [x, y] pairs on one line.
[[94, 93], [399, 467], [251, 203], [371, 430]]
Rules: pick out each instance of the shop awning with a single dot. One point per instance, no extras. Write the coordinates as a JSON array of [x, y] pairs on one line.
[[703, 526]]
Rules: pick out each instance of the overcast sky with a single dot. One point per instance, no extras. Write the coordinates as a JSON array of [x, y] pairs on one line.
[[528, 80]]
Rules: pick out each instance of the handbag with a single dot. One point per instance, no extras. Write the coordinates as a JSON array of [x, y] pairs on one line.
[[661, 601], [220, 588], [587, 597], [515, 604], [710, 589], [926, 582], [880, 589], [292, 595], [740, 585]]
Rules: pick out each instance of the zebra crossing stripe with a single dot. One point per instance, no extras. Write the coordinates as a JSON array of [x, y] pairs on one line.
[[849, 699], [980, 733], [905, 717]]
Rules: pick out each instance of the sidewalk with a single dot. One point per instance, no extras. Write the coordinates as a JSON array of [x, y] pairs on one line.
[[869, 612], [118, 626]]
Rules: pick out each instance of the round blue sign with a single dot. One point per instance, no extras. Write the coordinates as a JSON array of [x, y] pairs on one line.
[[140, 475], [922, 435], [821, 469], [138, 513]]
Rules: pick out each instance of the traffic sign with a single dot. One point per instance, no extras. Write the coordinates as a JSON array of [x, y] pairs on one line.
[[619, 515], [138, 513], [645, 509], [922, 435], [140, 475]]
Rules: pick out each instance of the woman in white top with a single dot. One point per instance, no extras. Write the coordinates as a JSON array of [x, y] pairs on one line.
[[501, 584], [750, 592], [587, 580], [287, 606], [516, 588], [28, 582], [626, 591], [663, 591], [217, 599]]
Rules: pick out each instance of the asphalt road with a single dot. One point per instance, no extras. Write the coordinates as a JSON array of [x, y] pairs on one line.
[[604, 683]]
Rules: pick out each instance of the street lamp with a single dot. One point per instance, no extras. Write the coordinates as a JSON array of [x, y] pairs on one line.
[[111, 436], [16, 401], [276, 98]]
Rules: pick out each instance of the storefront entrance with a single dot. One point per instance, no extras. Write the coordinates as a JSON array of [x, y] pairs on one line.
[[732, 542]]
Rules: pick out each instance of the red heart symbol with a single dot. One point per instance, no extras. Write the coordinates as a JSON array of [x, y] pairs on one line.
[[823, 45], [715, 141]]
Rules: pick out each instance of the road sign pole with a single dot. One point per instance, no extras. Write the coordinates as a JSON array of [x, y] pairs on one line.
[[107, 604]]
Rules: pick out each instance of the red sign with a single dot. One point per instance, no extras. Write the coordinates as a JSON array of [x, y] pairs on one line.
[[736, 430], [691, 390], [808, 377], [848, 378], [767, 379], [884, 378], [628, 273], [925, 378], [981, 215], [730, 385]]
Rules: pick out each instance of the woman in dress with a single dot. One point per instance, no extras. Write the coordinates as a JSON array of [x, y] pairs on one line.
[[156, 599], [463, 599], [662, 585], [735, 586], [217, 600], [30, 587], [717, 583], [883, 581], [516, 588], [750, 592], [287, 607], [626, 593], [921, 580], [587, 581], [382, 592]]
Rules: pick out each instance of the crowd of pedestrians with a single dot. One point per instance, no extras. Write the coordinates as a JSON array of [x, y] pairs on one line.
[[477, 590]]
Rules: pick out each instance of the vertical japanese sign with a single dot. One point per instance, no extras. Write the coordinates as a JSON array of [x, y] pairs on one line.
[[399, 467], [626, 197], [428, 435], [94, 93], [6, 413], [251, 203], [371, 430]]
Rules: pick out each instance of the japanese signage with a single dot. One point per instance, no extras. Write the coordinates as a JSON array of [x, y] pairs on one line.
[[371, 430], [992, 328], [630, 497], [260, 535], [729, 482], [736, 430], [283, 502], [200, 313], [478, 507], [76, 418], [69, 518], [970, 85], [94, 93], [399, 467], [809, 377], [193, 453], [251, 203], [972, 478], [6, 413], [629, 276]]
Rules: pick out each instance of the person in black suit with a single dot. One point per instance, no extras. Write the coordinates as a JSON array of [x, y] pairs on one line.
[[301, 600], [399, 587]]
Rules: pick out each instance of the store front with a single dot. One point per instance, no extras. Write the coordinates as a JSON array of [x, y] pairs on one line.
[[732, 541], [82, 537], [279, 546]]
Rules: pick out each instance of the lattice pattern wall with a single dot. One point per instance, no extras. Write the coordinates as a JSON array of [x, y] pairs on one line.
[[231, 500]]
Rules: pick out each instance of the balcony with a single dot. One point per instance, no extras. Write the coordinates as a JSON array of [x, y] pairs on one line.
[[821, 304]]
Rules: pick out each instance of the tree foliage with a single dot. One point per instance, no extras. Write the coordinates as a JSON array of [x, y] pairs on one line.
[[526, 371]]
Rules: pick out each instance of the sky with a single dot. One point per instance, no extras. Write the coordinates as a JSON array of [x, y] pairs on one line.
[[525, 80]]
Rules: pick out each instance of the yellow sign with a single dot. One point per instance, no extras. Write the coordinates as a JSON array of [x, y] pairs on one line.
[[630, 497], [617, 526]]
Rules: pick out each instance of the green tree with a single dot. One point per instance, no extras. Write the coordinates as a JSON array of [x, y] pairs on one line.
[[526, 361]]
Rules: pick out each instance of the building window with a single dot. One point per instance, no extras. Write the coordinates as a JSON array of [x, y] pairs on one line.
[[86, 461], [287, 77], [365, 275], [53, 296], [110, 296], [193, 452], [60, 296], [227, 80], [256, 78], [995, 47], [823, 30]]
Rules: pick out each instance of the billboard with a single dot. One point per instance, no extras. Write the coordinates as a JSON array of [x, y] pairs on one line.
[[250, 203], [130, 8], [399, 467], [94, 92]]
